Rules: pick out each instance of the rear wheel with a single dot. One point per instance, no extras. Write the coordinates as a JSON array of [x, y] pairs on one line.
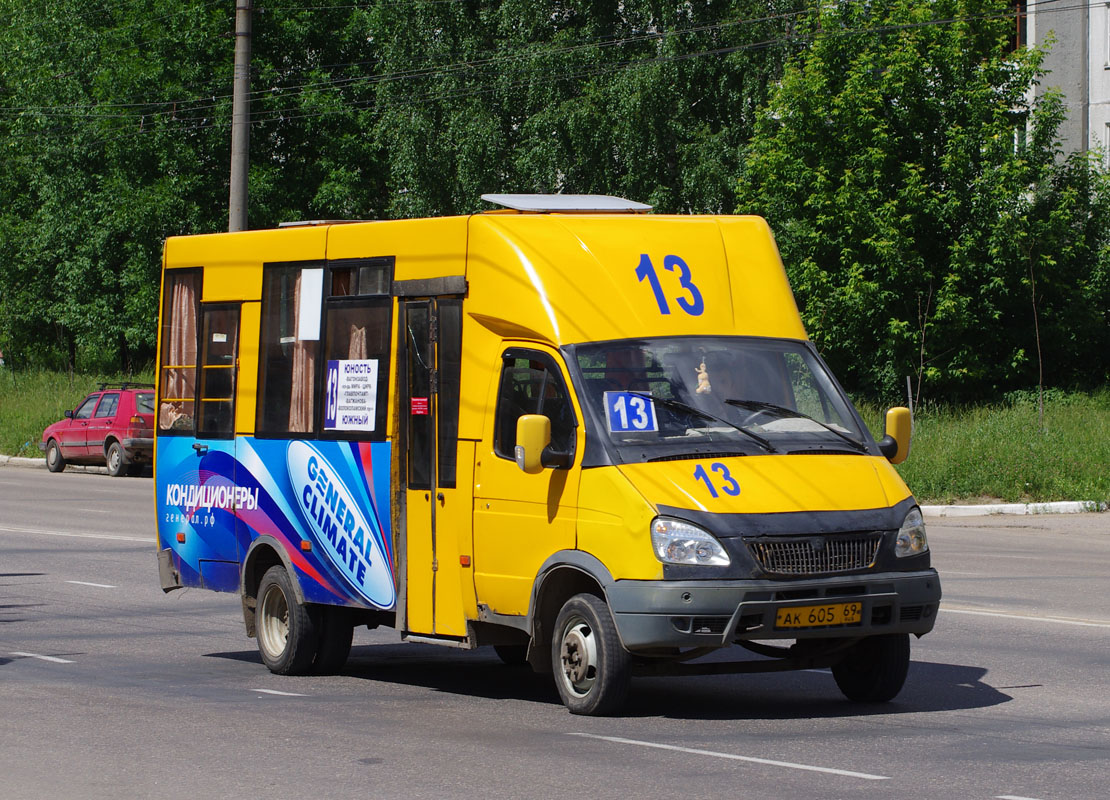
[[54, 460], [287, 634], [875, 668], [592, 669], [114, 460]]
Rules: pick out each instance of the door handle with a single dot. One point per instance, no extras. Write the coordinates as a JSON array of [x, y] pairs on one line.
[[200, 448], [439, 497]]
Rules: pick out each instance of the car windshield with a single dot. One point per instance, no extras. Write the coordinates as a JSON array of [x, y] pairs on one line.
[[688, 396], [144, 402]]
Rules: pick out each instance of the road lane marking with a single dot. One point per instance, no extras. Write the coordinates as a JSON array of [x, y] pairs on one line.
[[77, 534], [1012, 797], [1085, 623], [51, 659], [734, 757], [275, 691], [97, 585]]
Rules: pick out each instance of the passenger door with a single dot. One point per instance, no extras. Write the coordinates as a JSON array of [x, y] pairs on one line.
[[102, 421], [73, 437], [520, 520], [437, 508]]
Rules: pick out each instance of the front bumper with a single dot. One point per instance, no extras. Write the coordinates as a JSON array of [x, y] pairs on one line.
[[653, 614]]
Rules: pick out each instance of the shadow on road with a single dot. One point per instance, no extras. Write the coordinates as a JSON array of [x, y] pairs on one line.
[[930, 687]]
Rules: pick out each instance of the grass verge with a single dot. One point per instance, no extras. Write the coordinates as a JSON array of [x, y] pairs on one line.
[[29, 401], [999, 452]]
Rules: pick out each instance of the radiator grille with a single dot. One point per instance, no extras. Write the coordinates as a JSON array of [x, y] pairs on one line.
[[817, 555]]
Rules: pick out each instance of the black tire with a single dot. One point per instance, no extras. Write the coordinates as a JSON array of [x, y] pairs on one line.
[[874, 670], [114, 460], [334, 646], [513, 655], [592, 670], [287, 634], [54, 460]]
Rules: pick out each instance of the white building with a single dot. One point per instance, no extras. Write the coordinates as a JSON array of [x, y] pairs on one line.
[[1078, 65]]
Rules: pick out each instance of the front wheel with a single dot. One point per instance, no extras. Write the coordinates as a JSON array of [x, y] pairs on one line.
[[592, 669], [54, 460], [875, 668], [287, 635]]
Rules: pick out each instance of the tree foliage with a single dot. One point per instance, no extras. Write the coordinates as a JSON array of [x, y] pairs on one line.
[[914, 230], [929, 225], [115, 128]]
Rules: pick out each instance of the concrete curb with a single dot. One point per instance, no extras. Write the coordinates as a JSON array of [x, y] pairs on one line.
[[989, 509], [40, 463]]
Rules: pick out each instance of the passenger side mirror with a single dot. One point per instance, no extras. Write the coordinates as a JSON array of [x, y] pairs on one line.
[[533, 434], [895, 445]]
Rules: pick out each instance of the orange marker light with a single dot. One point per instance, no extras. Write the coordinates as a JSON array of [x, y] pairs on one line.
[[306, 545], [464, 560], [181, 538]]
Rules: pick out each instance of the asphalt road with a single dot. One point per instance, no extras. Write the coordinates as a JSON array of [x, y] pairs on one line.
[[111, 689]]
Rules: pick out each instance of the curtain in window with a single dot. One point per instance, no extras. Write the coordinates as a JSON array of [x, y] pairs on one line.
[[357, 348], [304, 369], [179, 356]]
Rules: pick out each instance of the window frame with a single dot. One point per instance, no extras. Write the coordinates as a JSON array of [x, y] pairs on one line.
[[552, 367]]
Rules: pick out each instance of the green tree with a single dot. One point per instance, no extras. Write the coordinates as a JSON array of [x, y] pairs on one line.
[[918, 194]]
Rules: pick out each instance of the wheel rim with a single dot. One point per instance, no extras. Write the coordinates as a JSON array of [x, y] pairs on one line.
[[578, 657], [273, 627], [114, 459], [52, 454]]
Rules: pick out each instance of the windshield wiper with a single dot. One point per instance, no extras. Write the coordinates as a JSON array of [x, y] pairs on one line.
[[759, 405], [764, 443]]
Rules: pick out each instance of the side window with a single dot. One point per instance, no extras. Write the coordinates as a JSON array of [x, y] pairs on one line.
[[108, 405], [85, 410], [291, 297], [324, 344], [219, 359], [532, 384], [178, 368], [356, 347]]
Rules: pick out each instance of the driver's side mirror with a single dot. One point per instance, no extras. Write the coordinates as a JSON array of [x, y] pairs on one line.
[[895, 445], [533, 445], [533, 434], [69, 414]]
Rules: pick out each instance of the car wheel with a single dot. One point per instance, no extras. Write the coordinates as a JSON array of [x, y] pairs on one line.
[[54, 460], [287, 634], [592, 669], [875, 668], [114, 459]]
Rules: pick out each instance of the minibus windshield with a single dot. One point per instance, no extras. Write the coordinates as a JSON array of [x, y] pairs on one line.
[[672, 397]]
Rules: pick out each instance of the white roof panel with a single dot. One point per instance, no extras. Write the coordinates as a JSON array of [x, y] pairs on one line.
[[564, 202]]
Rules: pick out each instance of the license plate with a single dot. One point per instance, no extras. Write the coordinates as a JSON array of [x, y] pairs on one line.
[[817, 616]]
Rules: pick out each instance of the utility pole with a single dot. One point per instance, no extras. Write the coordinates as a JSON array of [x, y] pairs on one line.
[[240, 118]]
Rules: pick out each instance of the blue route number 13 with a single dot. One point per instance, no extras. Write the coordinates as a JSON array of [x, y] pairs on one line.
[[693, 305]]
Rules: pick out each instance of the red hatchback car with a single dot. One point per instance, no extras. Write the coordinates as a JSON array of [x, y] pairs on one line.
[[113, 426]]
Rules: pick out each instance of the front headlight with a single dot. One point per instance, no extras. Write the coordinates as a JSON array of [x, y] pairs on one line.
[[678, 542], [911, 536]]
